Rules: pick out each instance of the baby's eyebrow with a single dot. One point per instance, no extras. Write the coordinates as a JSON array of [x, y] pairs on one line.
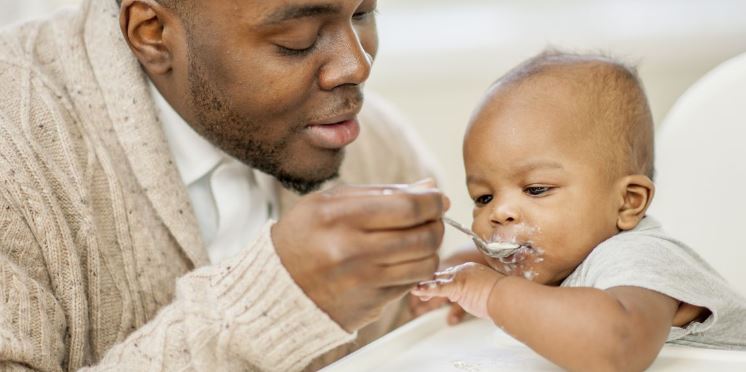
[[522, 169], [527, 167], [473, 179]]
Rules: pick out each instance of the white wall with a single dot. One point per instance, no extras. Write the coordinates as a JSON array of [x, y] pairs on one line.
[[19, 10], [438, 56]]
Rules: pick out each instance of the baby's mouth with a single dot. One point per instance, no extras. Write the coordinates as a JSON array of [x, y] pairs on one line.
[[516, 253]]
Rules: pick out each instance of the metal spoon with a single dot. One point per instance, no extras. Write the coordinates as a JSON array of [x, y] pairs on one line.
[[497, 250]]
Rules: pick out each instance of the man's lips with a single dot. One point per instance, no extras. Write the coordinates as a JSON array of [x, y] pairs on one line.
[[334, 135]]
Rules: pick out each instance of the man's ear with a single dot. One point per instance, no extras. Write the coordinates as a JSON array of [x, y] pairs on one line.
[[144, 26], [637, 193]]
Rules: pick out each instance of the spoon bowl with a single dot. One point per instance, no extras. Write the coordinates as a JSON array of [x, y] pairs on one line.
[[498, 250]]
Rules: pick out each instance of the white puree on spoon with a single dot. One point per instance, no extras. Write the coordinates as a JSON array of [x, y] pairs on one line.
[[500, 246]]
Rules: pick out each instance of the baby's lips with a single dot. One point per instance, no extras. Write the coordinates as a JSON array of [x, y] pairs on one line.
[[521, 256], [524, 254]]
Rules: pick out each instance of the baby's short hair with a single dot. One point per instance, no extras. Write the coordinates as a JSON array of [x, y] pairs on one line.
[[615, 98]]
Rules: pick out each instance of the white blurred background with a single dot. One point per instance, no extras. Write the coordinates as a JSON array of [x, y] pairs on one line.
[[438, 56]]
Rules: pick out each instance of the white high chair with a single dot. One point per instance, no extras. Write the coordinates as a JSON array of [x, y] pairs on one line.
[[701, 167]]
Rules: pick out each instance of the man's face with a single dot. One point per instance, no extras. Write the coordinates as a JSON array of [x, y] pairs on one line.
[[534, 181], [278, 83]]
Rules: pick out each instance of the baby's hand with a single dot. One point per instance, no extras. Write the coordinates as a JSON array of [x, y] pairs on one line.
[[468, 284]]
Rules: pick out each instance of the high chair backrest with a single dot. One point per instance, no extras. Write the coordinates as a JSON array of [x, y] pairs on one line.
[[701, 170]]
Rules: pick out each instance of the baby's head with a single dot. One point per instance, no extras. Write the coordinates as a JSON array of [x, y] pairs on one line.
[[559, 156]]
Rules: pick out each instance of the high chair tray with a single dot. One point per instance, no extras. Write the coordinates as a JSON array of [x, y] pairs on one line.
[[429, 344]]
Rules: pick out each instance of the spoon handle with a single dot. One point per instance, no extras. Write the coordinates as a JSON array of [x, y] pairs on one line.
[[463, 229]]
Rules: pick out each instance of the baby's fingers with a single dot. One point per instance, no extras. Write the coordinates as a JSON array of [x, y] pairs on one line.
[[419, 306], [456, 314], [436, 288]]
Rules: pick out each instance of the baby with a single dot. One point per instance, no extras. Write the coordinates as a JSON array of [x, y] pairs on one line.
[[559, 159]]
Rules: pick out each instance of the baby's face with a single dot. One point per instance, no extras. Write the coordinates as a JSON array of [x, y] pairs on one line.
[[534, 180]]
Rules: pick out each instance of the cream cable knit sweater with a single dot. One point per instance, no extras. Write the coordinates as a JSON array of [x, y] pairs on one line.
[[101, 264]]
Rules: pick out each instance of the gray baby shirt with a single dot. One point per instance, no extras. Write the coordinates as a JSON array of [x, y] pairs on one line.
[[648, 258]]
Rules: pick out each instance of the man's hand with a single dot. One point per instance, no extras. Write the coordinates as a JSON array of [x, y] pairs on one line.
[[468, 285], [355, 249]]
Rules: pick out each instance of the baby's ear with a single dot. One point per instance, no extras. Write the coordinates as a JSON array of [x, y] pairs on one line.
[[637, 193]]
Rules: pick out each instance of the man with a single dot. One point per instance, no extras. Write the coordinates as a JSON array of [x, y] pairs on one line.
[[136, 230]]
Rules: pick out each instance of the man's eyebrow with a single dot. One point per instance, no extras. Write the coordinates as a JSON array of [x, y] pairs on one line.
[[300, 11]]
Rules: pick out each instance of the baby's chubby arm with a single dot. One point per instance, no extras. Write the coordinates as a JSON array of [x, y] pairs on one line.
[[621, 328]]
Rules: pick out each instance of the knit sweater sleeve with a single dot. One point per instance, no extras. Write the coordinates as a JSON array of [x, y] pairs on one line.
[[32, 323], [246, 314]]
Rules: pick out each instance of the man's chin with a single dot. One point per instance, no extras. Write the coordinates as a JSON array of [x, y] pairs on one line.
[[304, 186], [312, 171]]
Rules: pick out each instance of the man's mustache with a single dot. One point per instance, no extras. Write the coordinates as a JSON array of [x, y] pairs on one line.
[[350, 103]]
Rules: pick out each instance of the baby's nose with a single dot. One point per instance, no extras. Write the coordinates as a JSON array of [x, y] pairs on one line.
[[504, 214]]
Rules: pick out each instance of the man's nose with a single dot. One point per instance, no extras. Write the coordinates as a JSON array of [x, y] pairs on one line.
[[348, 62]]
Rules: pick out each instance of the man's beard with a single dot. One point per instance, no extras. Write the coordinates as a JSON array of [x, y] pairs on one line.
[[213, 112]]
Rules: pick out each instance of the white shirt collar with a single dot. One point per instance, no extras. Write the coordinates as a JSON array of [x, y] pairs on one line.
[[194, 155]]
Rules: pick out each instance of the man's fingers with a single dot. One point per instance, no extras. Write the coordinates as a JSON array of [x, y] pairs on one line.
[[363, 190], [389, 294], [397, 246], [387, 209], [429, 183], [423, 184], [414, 303], [407, 273]]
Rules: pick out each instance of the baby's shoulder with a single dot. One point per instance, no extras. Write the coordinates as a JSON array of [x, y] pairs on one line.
[[644, 253], [640, 245]]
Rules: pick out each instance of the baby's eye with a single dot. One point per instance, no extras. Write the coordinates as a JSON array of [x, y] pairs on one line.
[[536, 190], [482, 200]]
